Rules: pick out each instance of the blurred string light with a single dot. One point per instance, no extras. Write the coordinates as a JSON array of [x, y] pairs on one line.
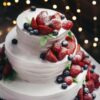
[[28, 2], [78, 10], [67, 7], [45, 0], [80, 29], [8, 3], [54, 6], [95, 18], [16, 1], [96, 39], [74, 18], [0, 33], [4, 4], [14, 22], [94, 44], [86, 41], [94, 2]]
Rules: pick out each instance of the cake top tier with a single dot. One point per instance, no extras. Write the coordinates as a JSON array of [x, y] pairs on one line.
[[43, 22]]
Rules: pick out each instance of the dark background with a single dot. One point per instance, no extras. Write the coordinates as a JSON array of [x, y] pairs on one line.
[[91, 28]]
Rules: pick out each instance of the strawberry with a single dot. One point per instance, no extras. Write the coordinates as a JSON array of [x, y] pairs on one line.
[[75, 70], [42, 18], [56, 47], [33, 23], [81, 53], [87, 97], [62, 53], [71, 47], [90, 85], [68, 80], [97, 85], [44, 30], [7, 69], [81, 63], [87, 61], [50, 56], [67, 25], [80, 94], [76, 59], [78, 48], [56, 16], [55, 24], [89, 75], [95, 77]]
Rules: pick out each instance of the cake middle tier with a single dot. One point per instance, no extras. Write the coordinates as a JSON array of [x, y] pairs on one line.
[[32, 68]]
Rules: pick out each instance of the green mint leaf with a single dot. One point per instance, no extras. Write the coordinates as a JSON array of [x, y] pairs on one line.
[[68, 66], [75, 80], [43, 41], [69, 34]]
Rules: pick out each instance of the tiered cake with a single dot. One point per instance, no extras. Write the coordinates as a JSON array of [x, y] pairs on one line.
[[39, 49]]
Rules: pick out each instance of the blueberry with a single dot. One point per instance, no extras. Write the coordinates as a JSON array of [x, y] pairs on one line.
[[55, 32], [66, 73], [93, 66], [86, 90], [33, 8], [92, 70], [93, 95], [85, 67], [64, 85], [60, 79], [42, 55], [62, 17], [29, 28], [14, 41], [64, 43], [32, 32], [36, 32], [70, 58], [26, 26]]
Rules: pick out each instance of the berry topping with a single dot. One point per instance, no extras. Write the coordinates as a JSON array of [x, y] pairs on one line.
[[36, 32], [92, 70], [59, 79], [51, 57], [62, 53], [55, 24], [85, 67], [87, 97], [26, 26], [64, 43], [75, 70], [56, 16], [44, 30], [42, 18], [67, 25], [93, 95], [66, 73], [93, 66], [29, 28], [43, 55], [62, 17], [14, 41], [55, 32], [64, 85], [87, 61], [33, 23], [70, 57], [33, 8], [80, 94], [86, 90], [68, 80]]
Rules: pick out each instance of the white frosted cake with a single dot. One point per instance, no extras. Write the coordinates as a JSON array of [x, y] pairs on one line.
[[45, 55]]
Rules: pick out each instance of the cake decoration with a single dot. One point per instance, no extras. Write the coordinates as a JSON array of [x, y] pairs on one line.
[[33, 8], [14, 41]]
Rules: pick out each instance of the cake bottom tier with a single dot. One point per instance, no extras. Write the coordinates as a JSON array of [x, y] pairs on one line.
[[21, 90]]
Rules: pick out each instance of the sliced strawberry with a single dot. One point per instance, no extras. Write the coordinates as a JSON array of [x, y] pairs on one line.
[[90, 85], [67, 25], [80, 94], [81, 63], [75, 70], [87, 61], [42, 18], [87, 97], [97, 85], [77, 59], [55, 24], [33, 23], [95, 77], [62, 53], [81, 53], [56, 16], [44, 30], [68, 80], [78, 48], [56, 47], [71, 47], [89, 75], [51, 57]]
